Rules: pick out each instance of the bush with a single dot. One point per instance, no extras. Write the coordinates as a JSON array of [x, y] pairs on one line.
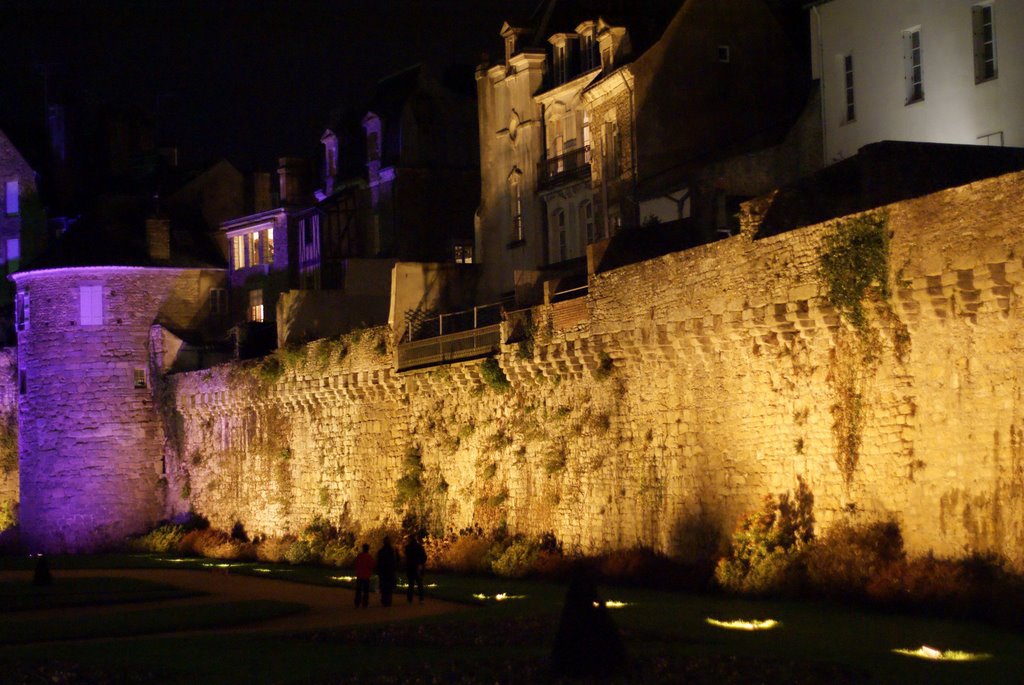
[[215, 544], [493, 375], [467, 554], [301, 552], [8, 515], [767, 546], [163, 539], [517, 559], [339, 553], [848, 558], [272, 550]]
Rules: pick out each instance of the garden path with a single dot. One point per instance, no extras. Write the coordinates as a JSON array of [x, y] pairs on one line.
[[328, 606]]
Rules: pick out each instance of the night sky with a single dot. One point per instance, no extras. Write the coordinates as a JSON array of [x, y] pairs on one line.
[[247, 80]]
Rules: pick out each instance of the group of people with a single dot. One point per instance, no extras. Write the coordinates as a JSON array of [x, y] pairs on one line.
[[386, 566]]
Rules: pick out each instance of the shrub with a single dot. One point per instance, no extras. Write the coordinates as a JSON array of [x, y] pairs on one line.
[[339, 553], [846, 559], [517, 559], [215, 544], [161, 540], [467, 554], [604, 368], [272, 550], [767, 546], [493, 375], [8, 515], [301, 552]]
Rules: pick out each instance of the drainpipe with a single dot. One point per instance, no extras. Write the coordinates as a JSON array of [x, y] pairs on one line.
[[821, 85]]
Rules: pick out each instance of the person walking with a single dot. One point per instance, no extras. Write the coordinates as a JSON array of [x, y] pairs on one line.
[[415, 565], [364, 570], [387, 569]]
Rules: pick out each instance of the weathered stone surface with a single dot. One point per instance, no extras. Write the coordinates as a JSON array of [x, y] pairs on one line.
[[692, 385]]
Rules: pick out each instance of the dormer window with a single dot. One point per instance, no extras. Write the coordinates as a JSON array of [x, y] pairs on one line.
[[373, 127], [561, 66], [563, 57], [330, 142], [510, 47], [606, 58], [588, 46]]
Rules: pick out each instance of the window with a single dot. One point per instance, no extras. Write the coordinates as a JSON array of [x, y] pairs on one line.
[[252, 241], [139, 378], [561, 66], [587, 219], [463, 254], [373, 146], [238, 252], [267, 238], [515, 207], [21, 311], [256, 306], [984, 44], [723, 54], [218, 301], [851, 110], [606, 58], [614, 220], [22, 381], [912, 62], [11, 194], [588, 50], [90, 301], [558, 219], [13, 254]]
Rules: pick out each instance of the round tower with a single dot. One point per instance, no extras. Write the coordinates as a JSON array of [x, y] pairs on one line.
[[91, 436]]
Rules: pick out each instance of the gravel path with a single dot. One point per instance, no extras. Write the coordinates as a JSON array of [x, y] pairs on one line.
[[328, 606]]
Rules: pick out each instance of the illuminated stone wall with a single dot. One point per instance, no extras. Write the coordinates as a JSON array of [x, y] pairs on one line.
[[8, 425], [91, 441], [678, 394]]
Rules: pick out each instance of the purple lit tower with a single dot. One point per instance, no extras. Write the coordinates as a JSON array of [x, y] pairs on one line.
[[99, 319]]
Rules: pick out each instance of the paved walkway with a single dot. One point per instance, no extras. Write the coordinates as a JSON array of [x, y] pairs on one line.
[[328, 606]]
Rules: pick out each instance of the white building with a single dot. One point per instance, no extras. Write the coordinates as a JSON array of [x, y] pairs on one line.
[[943, 71]]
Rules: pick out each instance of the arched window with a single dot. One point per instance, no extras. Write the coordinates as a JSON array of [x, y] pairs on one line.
[[587, 220], [558, 222]]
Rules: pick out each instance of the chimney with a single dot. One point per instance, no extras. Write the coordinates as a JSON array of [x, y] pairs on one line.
[[261, 200], [292, 174], [158, 238]]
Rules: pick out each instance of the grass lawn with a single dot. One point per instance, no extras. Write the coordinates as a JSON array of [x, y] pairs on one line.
[[74, 592], [509, 641]]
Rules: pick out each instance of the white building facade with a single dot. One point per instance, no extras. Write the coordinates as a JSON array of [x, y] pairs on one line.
[[940, 71]]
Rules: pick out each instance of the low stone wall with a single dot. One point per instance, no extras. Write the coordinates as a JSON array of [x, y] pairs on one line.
[[694, 384]]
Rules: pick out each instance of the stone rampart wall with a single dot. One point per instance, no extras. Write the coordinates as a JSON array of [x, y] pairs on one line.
[[694, 384], [8, 425]]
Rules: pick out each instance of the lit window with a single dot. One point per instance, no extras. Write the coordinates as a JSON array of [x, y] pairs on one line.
[[238, 252], [912, 59], [253, 241], [267, 238], [984, 43], [21, 311], [515, 206], [218, 301], [851, 111], [90, 300], [139, 378], [11, 194], [256, 306], [463, 254]]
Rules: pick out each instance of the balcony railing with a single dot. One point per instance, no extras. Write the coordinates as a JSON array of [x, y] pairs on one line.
[[571, 166], [450, 337]]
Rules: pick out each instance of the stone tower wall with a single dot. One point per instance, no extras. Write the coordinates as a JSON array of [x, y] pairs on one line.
[[92, 444], [672, 398]]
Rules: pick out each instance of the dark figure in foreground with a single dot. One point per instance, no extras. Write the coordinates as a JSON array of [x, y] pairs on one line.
[[415, 564], [588, 642], [364, 570], [41, 575], [387, 569]]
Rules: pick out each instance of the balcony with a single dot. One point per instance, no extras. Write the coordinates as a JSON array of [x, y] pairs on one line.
[[450, 337], [574, 165]]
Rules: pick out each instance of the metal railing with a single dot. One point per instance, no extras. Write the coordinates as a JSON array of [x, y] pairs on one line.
[[570, 166], [452, 347], [419, 326]]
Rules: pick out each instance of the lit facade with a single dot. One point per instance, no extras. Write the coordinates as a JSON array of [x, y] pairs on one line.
[[942, 71]]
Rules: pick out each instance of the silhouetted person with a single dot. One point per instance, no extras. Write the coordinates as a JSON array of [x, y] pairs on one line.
[[41, 575], [588, 642], [364, 570], [387, 568], [415, 565]]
